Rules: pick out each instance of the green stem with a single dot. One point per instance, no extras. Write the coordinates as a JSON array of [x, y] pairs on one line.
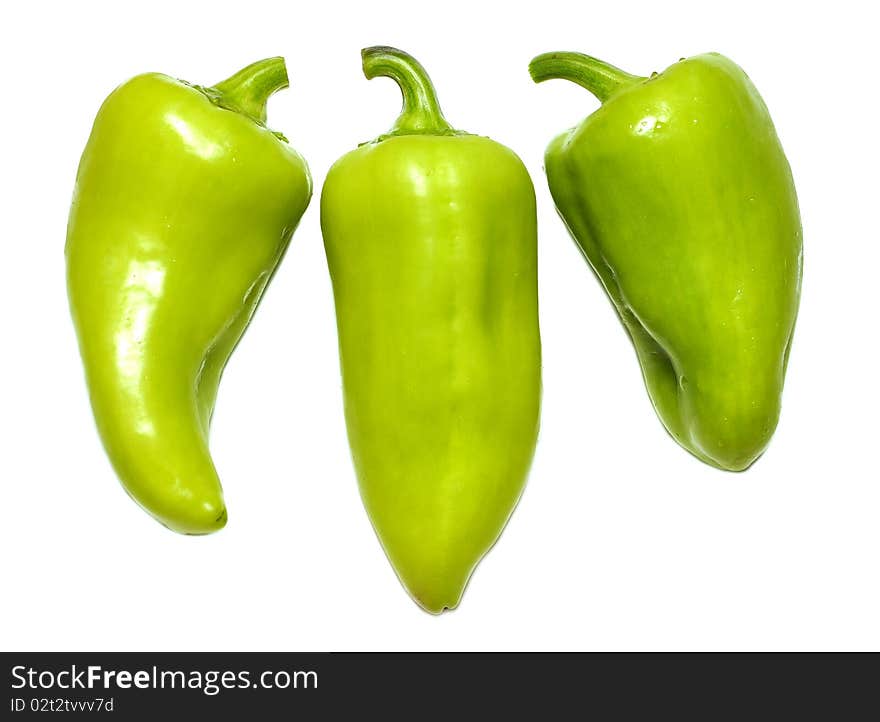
[[421, 112], [248, 90], [600, 78]]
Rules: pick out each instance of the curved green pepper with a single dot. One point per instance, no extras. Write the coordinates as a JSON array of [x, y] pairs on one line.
[[679, 195], [431, 243], [184, 205]]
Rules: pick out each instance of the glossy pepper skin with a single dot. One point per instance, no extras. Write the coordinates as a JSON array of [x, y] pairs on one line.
[[680, 196], [184, 205], [431, 243]]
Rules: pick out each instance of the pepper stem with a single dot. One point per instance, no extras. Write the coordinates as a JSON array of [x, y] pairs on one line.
[[248, 90], [421, 112], [600, 78]]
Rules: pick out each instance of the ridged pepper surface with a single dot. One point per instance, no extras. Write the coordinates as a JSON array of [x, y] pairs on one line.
[[679, 195]]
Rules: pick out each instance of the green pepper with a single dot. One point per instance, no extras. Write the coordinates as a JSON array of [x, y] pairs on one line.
[[679, 195], [431, 243], [184, 205]]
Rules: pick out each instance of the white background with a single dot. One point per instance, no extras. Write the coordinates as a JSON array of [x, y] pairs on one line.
[[622, 540]]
